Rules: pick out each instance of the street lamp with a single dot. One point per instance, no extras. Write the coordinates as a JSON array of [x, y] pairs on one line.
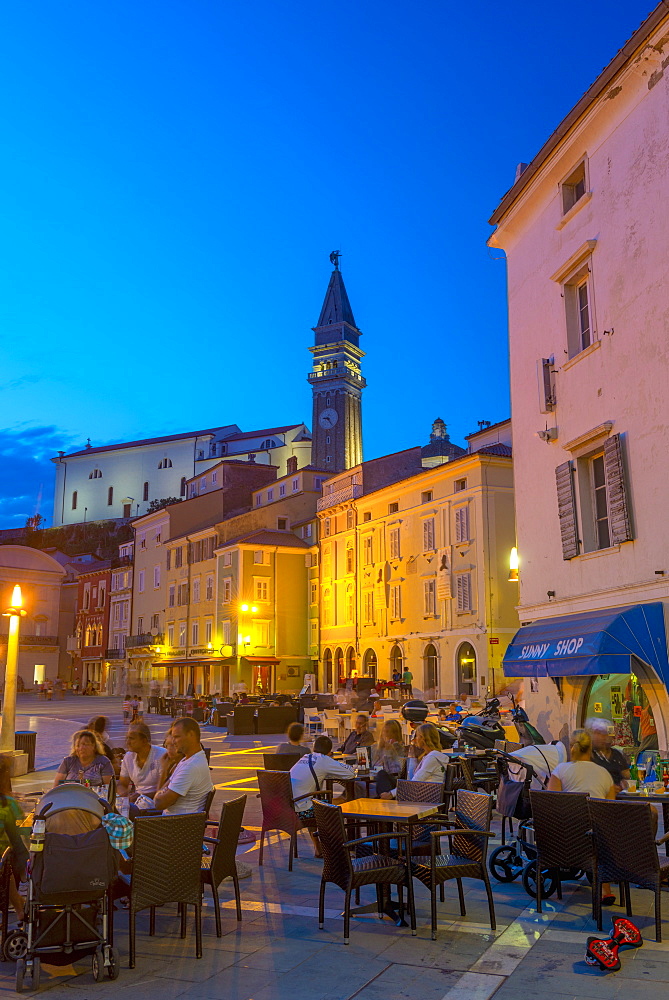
[[513, 565], [15, 613]]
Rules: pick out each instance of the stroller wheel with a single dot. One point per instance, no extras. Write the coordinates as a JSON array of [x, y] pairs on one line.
[[98, 963], [15, 946], [505, 864], [20, 973], [114, 960], [36, 974], [548, 881]]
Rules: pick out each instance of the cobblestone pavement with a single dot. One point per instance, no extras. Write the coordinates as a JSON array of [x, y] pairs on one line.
[[278, 952]]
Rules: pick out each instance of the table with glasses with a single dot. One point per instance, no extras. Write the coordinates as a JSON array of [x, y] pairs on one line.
[[644, 795]]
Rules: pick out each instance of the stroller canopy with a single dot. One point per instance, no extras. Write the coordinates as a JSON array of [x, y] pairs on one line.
[[70, 796]]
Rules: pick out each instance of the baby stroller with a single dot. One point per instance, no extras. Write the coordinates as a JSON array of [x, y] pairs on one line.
[[67, 911]]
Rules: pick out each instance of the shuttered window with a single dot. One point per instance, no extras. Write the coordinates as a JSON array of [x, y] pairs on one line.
[[429, 597], [395, 601], [464, 591], [620, 522], [428, 535], [394, 539], [564, 478], [462, 524]]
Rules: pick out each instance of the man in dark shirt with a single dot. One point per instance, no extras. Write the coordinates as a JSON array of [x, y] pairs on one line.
[[359, 737], [604, 753]]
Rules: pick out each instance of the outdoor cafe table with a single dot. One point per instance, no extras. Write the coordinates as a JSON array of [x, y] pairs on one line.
[[387, 811]]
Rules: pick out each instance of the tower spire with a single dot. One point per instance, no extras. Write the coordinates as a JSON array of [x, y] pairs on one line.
[[336, 380]]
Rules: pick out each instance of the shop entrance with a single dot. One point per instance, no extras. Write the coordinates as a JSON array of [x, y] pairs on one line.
[[262, 679], [620, 699]]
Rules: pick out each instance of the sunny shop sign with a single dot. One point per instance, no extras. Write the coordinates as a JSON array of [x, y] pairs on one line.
[[548, 650]]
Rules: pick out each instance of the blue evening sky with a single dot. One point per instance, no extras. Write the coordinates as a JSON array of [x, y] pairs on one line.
[[175, 174]]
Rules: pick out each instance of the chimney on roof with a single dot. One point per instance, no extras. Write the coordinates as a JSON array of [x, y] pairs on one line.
[[252, 459], [520, 170], [291, 465]]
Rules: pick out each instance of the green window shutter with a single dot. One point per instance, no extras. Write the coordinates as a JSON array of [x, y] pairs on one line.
[[564, 478], [620, 521]]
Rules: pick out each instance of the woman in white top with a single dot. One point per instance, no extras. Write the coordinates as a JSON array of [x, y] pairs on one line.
[[140, 770], [432, 761], [581, 774]]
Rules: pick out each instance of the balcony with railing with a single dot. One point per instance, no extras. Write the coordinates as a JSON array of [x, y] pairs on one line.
[[115, 654], [350, 492], [121, 561], [341, 371], [144, 639]]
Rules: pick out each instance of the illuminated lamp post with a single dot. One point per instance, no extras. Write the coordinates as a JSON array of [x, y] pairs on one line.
[[513, 565], [15, 613]]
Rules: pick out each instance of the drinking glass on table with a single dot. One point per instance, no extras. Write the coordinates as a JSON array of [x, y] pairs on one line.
[[641, 768]]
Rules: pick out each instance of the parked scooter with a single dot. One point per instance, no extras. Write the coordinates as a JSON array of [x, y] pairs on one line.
[[481, 731], [527, 733]]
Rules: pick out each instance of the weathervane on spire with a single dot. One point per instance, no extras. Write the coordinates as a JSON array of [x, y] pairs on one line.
[[334, 259]]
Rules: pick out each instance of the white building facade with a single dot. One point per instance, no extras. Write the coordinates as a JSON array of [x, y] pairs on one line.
[[121, 480], [587, 245]]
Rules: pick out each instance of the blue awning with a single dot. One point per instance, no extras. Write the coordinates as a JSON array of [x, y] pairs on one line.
[[597, 642]]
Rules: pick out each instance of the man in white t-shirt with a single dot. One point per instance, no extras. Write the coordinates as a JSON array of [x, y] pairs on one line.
[[190, 783]]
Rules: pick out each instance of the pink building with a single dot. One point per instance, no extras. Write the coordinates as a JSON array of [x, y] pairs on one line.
[[585, 232]]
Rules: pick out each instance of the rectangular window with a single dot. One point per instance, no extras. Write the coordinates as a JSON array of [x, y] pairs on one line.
[[194, 633], [170, 635], [203, 484], [209, 591], [259, 557], [600, 502], [367, 516], [578, 308], [140, 581], [171, 595], [306, 531], [226, 632], [74, 501], [214, 478], [270, 495], [182, 634], [326, 527], [140, 626], [196, 591], [296, 485], [178, 557], [313, 633], [258, 500], [573, 188], [142, 540], [182, 594], [116, 617], [282, 490], [208, 625], [313, 590], [145, 492], [428, 535], [367, 550], [193, 489], [426, 496], [227, 589], [110, 496], [429, 597], [208, 546], [393, 508], [227, 558], [102, 594], [394, 543], [156, 577], [262, 633], [395, 601], [155, 621], [368, 607], [282, 523], [261, 589], [462, 524], [464, 591], [169, 558], [460, 485]]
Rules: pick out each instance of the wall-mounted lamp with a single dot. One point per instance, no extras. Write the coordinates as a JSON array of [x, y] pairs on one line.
[[513, 565], [550, 594]]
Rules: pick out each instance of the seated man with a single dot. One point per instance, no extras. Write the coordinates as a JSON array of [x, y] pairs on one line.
[[359, 737], [295, 732], [189, 784], [309, 774]]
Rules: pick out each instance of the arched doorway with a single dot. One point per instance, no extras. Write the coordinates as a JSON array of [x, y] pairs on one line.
[[339, 663], [327, 669], [396, 661], [430, 671], [351, 661], [622, 700], [466, 670], [369, 664]]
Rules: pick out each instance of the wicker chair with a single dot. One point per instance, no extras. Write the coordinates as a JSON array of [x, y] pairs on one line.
[[469, 846], [562, 835], [625, 851], [166, 866], [480, 775], [278, 810], [341, 867], [221, 862], [420, 791], [280, 761]]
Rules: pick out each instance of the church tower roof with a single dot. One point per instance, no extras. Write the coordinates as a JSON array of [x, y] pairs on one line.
[[336, 307]]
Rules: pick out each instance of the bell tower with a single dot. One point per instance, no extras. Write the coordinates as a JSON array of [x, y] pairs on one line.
[[336, 381]]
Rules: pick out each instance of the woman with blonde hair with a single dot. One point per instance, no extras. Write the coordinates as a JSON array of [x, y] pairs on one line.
[[87, 763], [432, 761], [388, 755]]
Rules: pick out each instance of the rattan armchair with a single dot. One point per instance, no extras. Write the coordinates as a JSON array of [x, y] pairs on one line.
[[420, 791], [625, 851], [278, 810], [562, 835], [221, 862], [166, 867], [349, 872], [467, 857]]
